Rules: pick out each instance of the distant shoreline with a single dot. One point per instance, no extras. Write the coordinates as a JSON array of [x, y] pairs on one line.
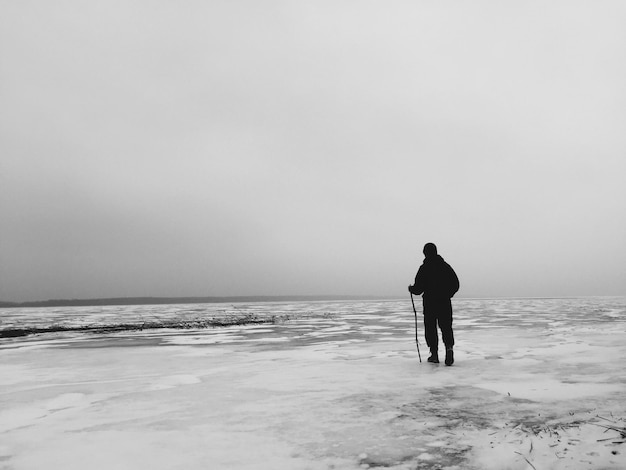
[[184, 300], [240, 299]]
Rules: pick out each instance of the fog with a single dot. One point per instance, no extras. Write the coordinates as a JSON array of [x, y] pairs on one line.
[[276, 148]]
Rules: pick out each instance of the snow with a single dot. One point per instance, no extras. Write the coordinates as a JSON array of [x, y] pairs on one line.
[[321, 394]]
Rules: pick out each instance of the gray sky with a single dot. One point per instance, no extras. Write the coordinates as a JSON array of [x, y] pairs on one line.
[[310, 147]]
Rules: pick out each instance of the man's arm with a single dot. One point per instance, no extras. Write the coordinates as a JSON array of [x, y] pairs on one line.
[[418, 287], [454, 282]]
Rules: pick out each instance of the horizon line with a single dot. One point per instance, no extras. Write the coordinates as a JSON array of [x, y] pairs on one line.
[[158, 300], [147, 300]]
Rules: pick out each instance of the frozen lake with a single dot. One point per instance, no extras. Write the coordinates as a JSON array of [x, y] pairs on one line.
[[323, 385]]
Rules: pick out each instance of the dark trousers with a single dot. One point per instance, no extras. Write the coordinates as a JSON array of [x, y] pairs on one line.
[[438, 311]]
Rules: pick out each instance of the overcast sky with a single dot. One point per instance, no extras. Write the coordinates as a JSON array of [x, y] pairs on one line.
[[310, 147]]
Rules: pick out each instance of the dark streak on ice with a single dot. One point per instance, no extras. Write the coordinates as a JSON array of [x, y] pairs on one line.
[[193, 324]]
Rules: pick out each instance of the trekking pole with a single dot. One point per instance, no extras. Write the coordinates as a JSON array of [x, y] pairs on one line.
[[416, 343]]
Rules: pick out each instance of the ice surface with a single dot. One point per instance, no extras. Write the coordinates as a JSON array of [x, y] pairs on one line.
[[536, 382]]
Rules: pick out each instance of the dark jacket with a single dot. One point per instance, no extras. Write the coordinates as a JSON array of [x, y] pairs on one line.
[[435, 279]]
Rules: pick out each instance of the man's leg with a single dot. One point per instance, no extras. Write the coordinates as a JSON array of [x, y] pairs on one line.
[[430, 330]]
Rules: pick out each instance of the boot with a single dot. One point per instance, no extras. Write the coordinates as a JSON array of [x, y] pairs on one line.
[[449, 356], [434, 356]]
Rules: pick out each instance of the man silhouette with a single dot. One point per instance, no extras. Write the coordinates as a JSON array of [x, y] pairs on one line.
[[438, 283]]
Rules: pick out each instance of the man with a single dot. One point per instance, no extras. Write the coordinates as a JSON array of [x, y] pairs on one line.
[[438, 283]]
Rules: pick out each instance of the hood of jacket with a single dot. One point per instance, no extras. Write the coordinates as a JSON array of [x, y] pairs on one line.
[[434, 259]]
